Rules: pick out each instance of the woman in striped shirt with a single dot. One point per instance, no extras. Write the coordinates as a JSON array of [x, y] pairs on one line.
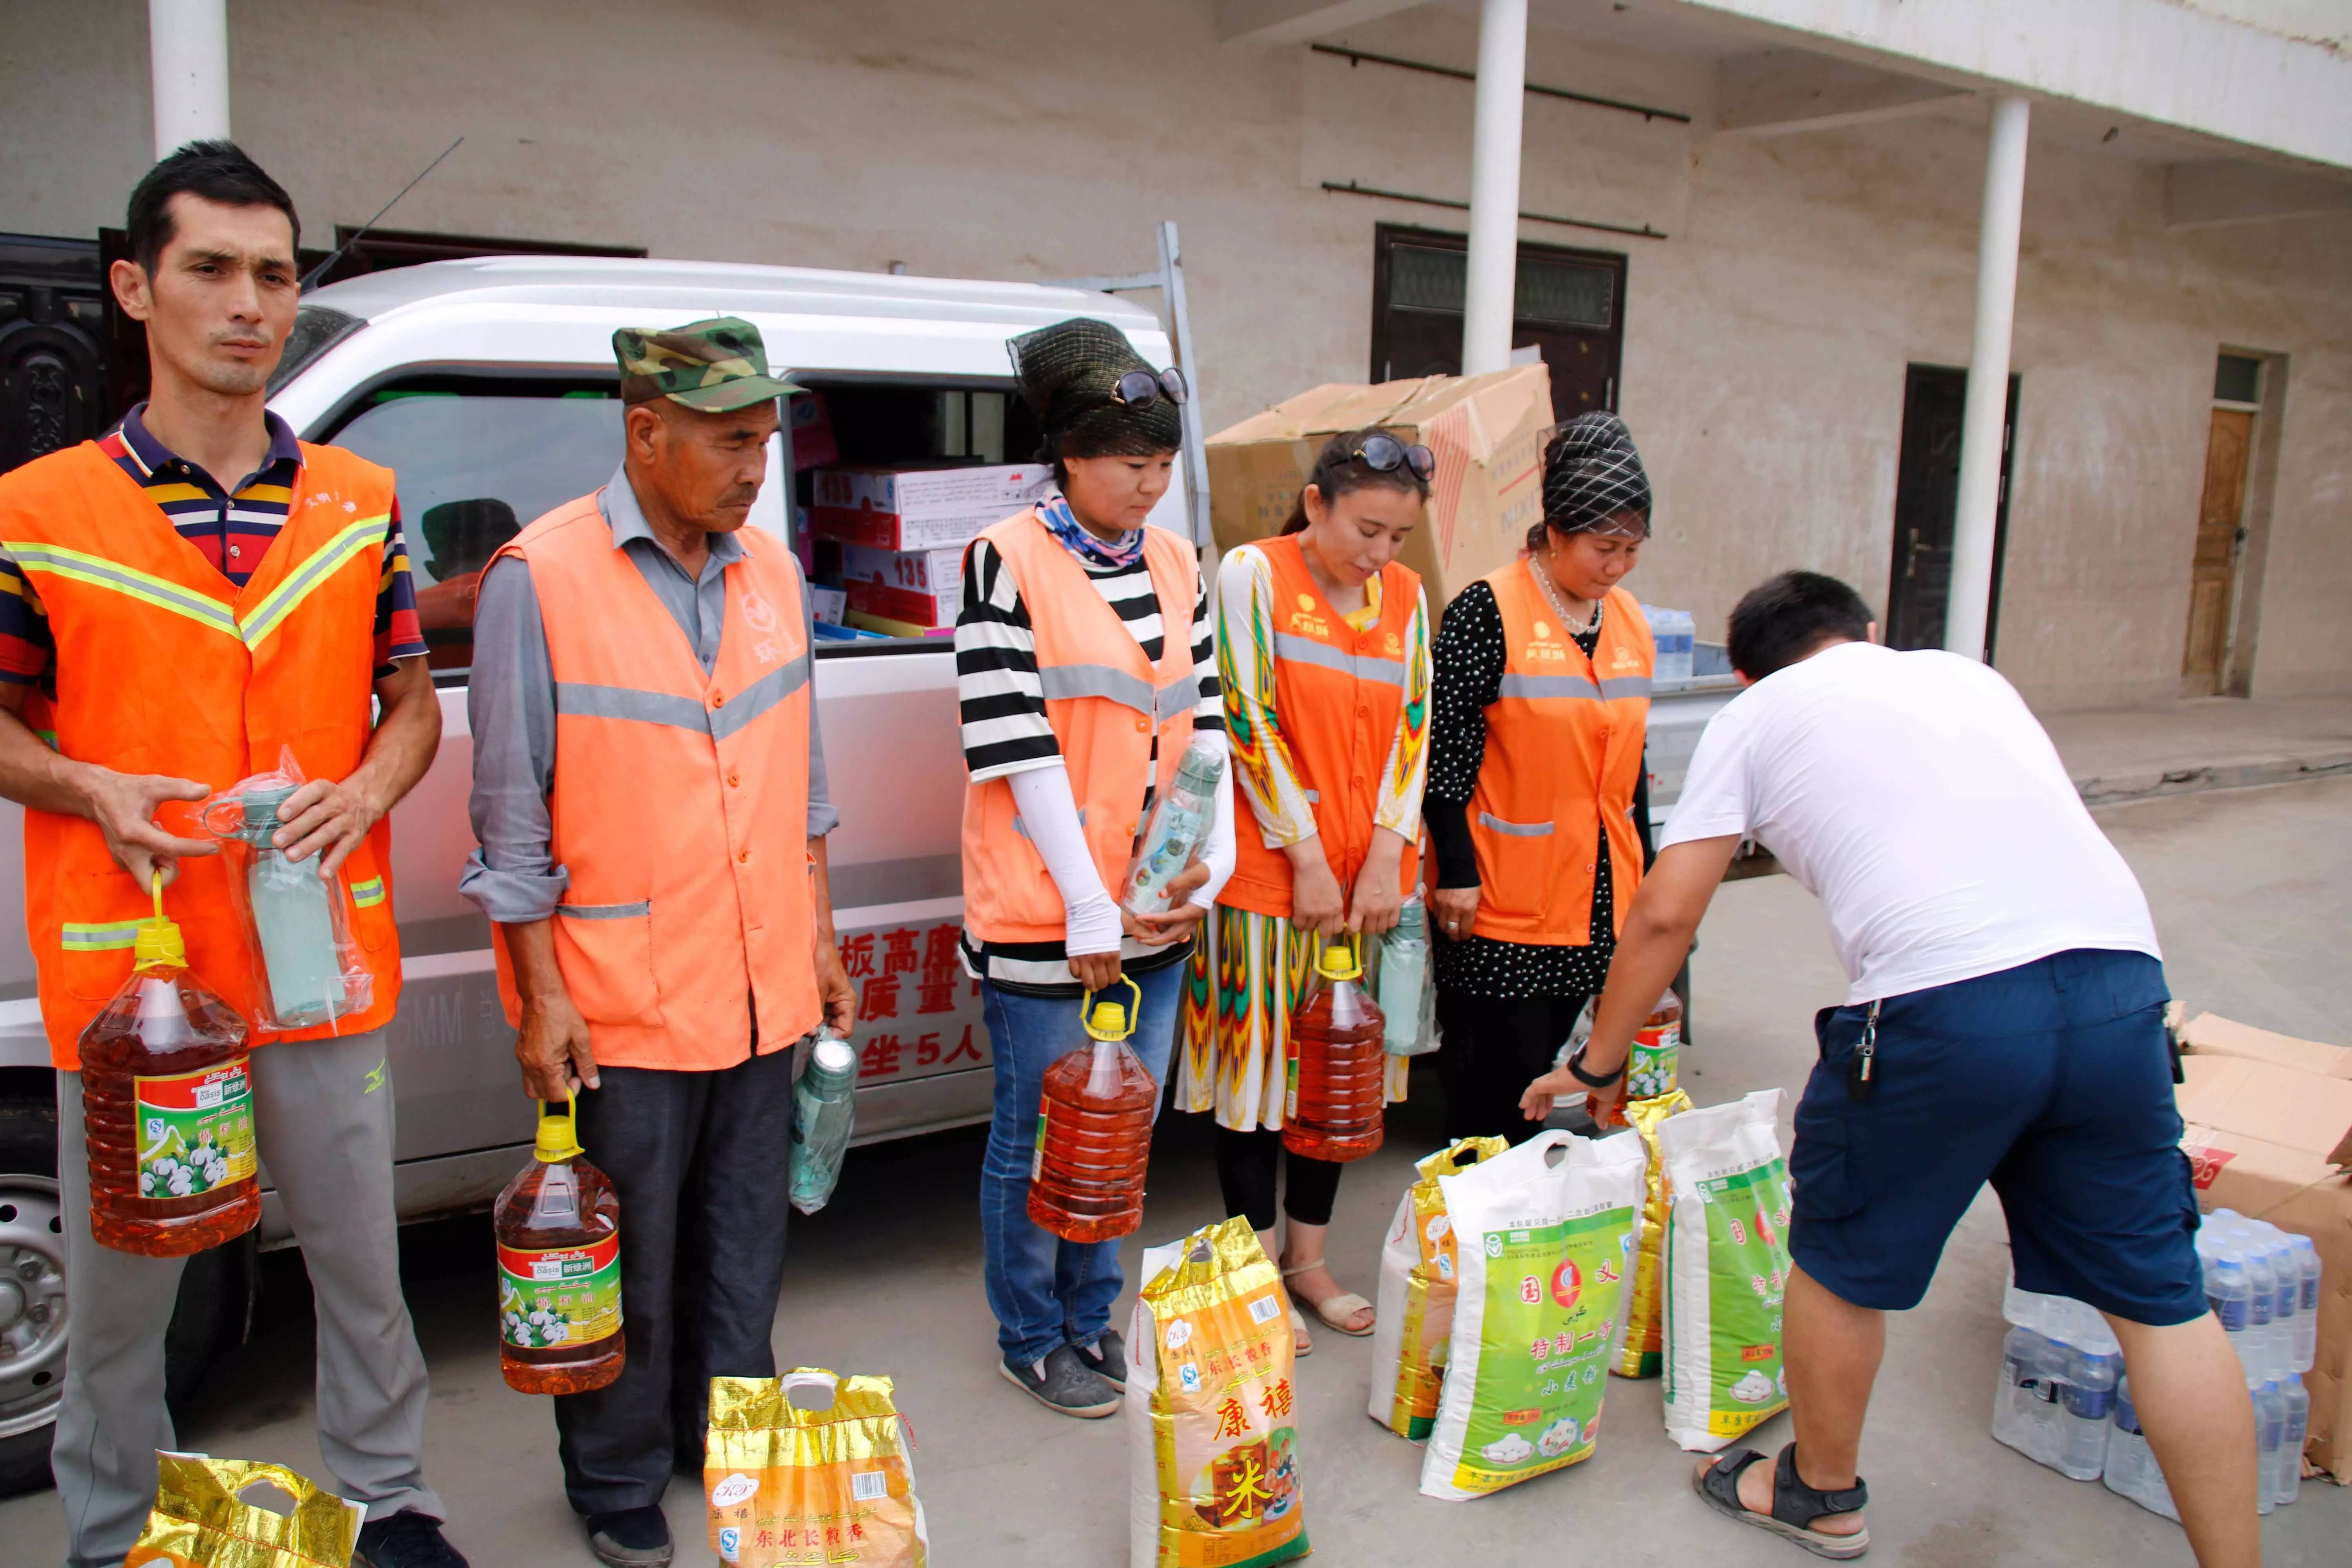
[[1062, 775]]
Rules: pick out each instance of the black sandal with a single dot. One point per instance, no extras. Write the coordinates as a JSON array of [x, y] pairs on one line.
[[1795, 1505]]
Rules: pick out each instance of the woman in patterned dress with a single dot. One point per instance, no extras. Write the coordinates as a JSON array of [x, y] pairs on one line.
[[1323, 656]]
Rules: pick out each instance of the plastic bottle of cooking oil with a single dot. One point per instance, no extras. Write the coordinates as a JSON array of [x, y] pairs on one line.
[[1333, 1110], [558, 1226], [167, 1108], [1093, 1131]]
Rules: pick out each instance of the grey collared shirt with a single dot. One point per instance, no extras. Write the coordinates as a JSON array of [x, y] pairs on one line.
[[511, 706]]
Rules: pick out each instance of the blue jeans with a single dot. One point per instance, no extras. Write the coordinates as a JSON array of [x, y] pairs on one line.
[[1047, 1292]]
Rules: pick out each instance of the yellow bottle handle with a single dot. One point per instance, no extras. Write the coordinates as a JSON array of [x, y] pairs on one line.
[[1108, 1020], [558, 1137]]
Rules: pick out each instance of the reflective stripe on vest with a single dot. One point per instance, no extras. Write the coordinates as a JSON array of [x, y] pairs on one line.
[[285, 663], [679, 803], [1564, 754], [1107, 708], [1339, 699]]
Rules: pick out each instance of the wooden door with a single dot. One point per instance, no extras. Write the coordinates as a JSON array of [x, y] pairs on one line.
[[2213, 570], [1926, 501], [1569, 305]]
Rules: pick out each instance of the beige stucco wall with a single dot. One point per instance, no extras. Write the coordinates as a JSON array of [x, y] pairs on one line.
[[1766, 339]]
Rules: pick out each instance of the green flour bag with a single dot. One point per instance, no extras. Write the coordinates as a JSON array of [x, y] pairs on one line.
[[1726, 1270]]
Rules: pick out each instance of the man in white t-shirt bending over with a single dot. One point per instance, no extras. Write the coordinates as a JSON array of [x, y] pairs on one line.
[[2004, 1024]]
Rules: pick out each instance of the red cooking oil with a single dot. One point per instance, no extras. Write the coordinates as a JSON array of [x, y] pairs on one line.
[[167, 1108], [1094, 1133], [558, 1226], [1338, 1068]]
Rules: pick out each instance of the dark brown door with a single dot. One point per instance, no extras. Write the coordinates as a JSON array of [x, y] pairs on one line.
[[52, 346], [1926, 499], [1569, 305], [2213, 573]]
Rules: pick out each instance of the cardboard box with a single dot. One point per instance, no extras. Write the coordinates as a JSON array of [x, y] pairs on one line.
[[1486, 431], [2272, 1141], [2208, 1034], [922, 508], [921, 587]]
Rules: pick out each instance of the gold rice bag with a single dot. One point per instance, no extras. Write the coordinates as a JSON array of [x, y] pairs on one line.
[[199, 1520], [1414, 1324], [811, 1467], [1642, 1357], [1212, 1437]]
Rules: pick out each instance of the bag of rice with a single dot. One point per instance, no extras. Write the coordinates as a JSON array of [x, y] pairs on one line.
[[1212, 1445], [1416, 1295], [212, 1512], [811, 1467], [1640, 1357], [1548, 1232], [1726, 1270]]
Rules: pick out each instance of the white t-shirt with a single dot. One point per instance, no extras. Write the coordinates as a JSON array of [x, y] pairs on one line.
[[1917, 798]]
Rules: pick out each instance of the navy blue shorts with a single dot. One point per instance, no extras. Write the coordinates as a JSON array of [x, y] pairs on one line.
[[2052, 1081]]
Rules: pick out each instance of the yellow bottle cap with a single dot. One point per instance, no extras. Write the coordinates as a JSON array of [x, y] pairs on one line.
[[1340, 964], [158, 943], [559, 1136], [1112, 1020]]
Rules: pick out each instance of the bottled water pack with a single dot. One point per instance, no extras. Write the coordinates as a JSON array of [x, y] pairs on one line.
[[2063, 1400], [1675, 633]]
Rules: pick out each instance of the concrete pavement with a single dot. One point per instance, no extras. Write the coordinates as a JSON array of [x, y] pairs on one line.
[[2250, 889], [2210, 742]]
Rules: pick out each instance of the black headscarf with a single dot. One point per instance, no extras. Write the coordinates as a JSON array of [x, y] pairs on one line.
[[1066, 372], [1592, 476]]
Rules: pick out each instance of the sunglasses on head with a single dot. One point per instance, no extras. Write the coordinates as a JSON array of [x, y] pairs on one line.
[[1142, 388], [1382, 454]]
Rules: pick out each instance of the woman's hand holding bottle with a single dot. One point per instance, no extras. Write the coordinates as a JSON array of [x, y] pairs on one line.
[[1182, 917], [1317, 903], [1379, 896]]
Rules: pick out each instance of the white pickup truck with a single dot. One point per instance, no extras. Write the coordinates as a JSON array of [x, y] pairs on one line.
[[489, 386]]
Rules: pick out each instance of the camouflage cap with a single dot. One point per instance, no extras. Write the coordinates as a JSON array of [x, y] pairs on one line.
[[714, 365]]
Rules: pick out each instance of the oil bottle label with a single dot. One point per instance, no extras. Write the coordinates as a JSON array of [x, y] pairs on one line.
[[1651, 1070], [1037, 1160], [561, 1296], [195, 1130]]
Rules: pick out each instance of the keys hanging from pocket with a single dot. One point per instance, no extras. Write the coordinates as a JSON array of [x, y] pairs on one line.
[[1859, 1081]]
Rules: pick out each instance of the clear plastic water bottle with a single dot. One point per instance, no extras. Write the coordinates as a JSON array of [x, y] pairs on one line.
[[2132, 1470], [1179, 829], [1674, 633], [825, 1113], [2270, 1432], [2288, 1482], [2286, 1273], [2262, 1301], [2227, 1292], [2087, 1400], [2020, 1354], [291, 918], [1408, 998], [2044, 1440], [2306, 1306]]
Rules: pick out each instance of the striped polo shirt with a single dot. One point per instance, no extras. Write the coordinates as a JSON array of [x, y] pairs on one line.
[[231, 529]]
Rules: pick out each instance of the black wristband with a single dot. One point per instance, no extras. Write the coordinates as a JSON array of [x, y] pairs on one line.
[[1576, 1070]]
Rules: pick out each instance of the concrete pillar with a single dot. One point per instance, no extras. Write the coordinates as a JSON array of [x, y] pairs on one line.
[[1493, 260], [187, 62], [1982, 423]]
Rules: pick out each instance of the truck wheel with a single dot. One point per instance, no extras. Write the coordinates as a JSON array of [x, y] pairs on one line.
[[208, 1318]]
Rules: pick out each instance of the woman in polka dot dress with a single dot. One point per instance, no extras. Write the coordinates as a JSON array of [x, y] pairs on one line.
[[1537, 803]]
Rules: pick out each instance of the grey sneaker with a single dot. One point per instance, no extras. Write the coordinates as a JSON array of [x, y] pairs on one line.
[[1063, 1384], [1108, 1359], [631, 1538]]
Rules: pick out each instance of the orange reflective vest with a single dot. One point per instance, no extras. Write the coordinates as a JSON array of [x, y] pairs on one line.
[[163, 666], [679, 807], [1104, 701], [1564, 754], [1339, 693]]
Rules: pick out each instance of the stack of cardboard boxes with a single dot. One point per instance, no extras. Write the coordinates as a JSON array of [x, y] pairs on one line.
[[2270, 1135], [892, 539]]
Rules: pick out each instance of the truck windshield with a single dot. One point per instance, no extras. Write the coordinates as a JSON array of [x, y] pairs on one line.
[[473, 469]]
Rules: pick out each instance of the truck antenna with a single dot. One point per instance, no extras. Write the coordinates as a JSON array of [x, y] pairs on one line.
[[311, 281]]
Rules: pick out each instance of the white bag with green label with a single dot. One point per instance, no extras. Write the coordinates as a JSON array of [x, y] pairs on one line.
[[1726, 1270], [1545, 1235]]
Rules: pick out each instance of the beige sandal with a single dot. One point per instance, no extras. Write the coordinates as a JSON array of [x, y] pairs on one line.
[[1301, 1347], [1335, 1312]]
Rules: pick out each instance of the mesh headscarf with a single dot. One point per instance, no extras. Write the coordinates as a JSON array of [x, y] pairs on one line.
[[1593, 478], [1067, 373]]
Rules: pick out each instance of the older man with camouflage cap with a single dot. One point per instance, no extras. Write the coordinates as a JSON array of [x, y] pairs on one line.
[[649, 794]]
